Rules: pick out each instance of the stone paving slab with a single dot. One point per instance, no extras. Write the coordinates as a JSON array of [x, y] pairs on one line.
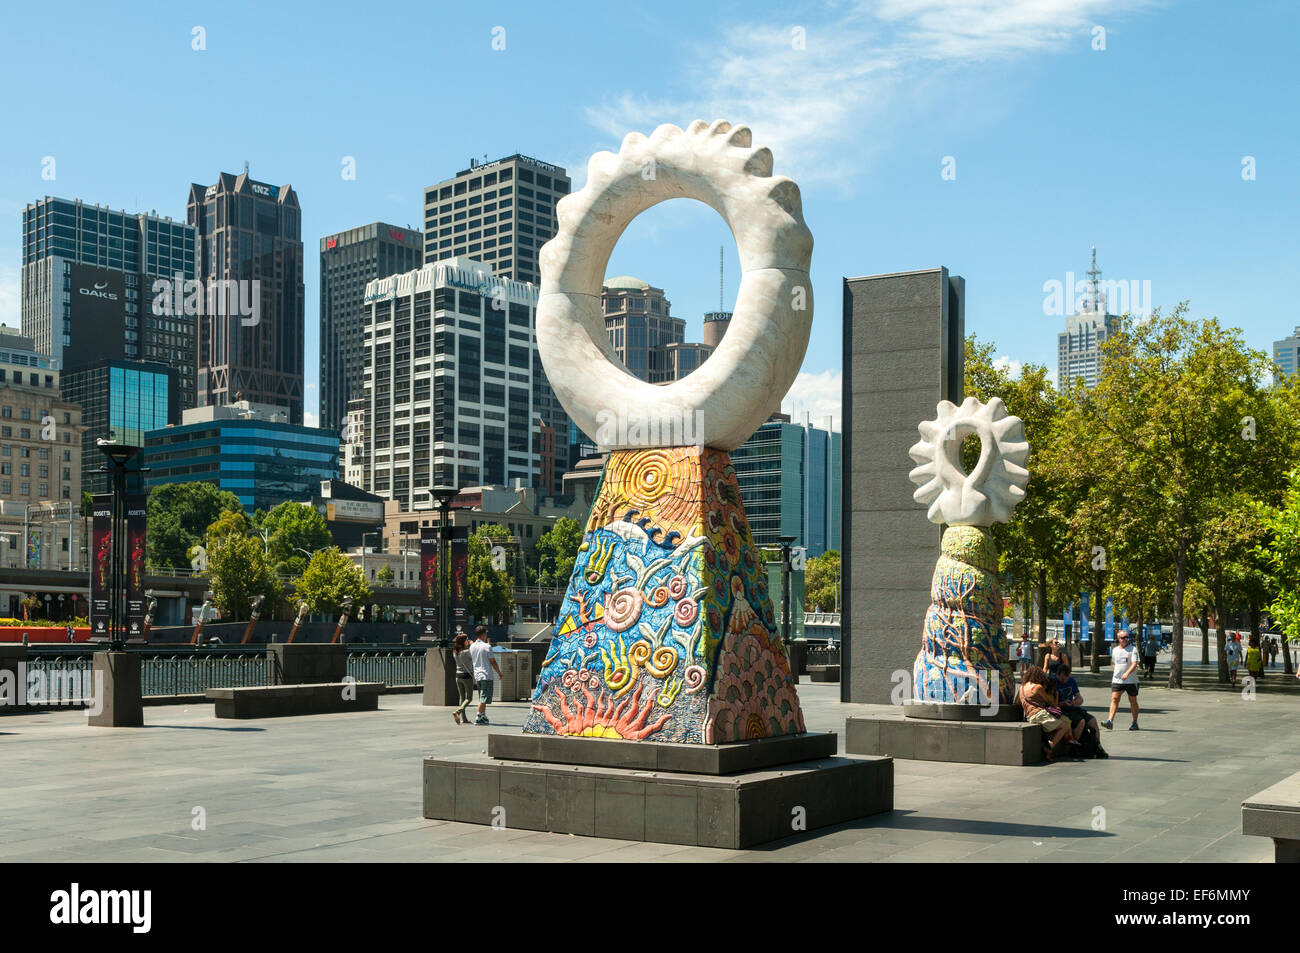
[[346, 787]]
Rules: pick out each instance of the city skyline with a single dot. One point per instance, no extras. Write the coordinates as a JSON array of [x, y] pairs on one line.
[[1007, 98]]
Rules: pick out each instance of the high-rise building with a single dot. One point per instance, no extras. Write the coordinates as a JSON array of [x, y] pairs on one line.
[[789, 478], [40, 432], [1078, 347], [649, 341], [247, 448], [454, 388], [1286, 354], [91, 278], [122, 400], [715, 326], [500, 213], [250, 264], [348, 261]]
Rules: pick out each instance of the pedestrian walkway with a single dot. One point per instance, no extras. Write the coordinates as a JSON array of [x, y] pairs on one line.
[[346, 787]]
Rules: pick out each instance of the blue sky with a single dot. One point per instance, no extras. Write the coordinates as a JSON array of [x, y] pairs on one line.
[[1137, 148]]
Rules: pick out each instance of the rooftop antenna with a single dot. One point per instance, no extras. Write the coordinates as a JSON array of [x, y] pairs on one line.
[[720, 299], [245, 167], [1093, 275]]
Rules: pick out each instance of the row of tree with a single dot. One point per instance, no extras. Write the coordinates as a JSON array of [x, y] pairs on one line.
[[197, 525], [1172, 485]]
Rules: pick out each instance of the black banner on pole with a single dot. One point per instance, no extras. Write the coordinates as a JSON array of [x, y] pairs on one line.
[[101, 565], [136, 509], [459, 596], [429, 582]]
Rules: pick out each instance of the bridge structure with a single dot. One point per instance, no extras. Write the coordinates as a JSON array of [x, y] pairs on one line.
[[179, 590]]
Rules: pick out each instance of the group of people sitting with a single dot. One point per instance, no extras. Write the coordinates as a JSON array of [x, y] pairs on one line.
[[1053, 700]]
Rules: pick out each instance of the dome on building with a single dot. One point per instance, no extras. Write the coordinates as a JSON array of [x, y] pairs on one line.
[[626, 283]]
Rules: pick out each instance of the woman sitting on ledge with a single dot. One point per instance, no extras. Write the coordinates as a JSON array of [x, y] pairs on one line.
[[1041, 707]]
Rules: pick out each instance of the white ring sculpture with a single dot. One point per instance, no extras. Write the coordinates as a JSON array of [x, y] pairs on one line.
[[991, 491], [744, 380]]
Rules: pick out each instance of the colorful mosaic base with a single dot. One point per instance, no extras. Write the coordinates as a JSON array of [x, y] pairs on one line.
[[666, 631], [963, 644]]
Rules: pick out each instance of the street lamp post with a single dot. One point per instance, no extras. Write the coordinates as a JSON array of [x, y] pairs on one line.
[[118, 455], [786, 542], [444, 495]]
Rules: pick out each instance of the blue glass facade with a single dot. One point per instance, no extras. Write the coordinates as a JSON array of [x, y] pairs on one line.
[[262, 463], [789, 478]]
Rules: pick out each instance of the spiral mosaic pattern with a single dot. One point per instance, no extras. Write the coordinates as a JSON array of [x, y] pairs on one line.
[[680, 620]]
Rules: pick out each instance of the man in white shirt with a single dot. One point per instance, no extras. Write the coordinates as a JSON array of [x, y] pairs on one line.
[[480, 653], [1123, 679]]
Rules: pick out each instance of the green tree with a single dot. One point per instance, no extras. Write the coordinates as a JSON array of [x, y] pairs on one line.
[[237, 567], [385, 575], [490, 590], [291, 528], [179, 516], [1281, 553], [328, 579], [556, 551], [821, 582], [1162, 436]]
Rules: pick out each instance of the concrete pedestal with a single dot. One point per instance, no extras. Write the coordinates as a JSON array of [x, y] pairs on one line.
[[440, 678], [116, 680], [1275, 812], [731, 758], [980, 741], [733, 811], [308, 663]]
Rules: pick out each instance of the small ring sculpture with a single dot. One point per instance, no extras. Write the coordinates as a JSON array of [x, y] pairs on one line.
[[735, 390], [990, 492]]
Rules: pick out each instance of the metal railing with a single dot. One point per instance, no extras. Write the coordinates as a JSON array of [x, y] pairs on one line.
[[396, 668], [821, 618], [194, 674], [823, 655]]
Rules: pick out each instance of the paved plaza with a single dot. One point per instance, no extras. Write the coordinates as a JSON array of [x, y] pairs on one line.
[[346, 787]]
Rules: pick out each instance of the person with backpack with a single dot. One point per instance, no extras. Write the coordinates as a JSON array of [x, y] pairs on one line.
[[1041, 707], [1083, 726], [1255, 659]]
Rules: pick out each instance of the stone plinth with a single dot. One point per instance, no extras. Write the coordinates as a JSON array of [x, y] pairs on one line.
[[116, 680], [980, 741], [277, 701], [302, 663], [664, 756], [732, 811], [440, 678], [1275, 812]]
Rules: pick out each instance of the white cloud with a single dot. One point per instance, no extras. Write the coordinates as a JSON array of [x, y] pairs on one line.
[[818, 394], [310, 419], [808, 105], [1011, 366]]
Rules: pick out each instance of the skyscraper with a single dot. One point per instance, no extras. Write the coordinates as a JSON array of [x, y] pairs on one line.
[[454, 388], [789, 478], [649, 341], [348, 260], [88, 287], [1286, 354], [1078, 347], [500, 213], [250, 264]]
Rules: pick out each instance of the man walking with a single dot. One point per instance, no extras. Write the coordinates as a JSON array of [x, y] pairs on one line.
[[1150, 647], [484, 667], [1123, 680]]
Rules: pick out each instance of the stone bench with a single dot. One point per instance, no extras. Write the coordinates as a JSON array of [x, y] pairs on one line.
[[275, 701], [1275, 812], [824, 673]]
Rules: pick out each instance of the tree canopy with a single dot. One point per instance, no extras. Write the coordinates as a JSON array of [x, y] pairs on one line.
[[179, 515]]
